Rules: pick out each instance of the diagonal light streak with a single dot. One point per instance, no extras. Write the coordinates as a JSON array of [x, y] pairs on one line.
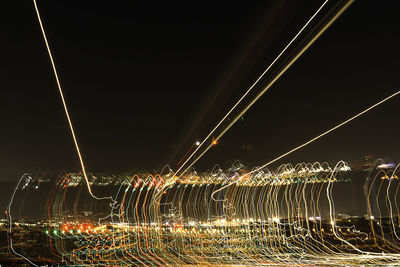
[[292, 61], [310, 141], [65, 104]]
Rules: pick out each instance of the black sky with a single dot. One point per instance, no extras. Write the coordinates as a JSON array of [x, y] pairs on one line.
[[143, 83]]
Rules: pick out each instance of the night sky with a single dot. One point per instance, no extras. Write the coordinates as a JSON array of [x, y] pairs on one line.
[[143, 83]]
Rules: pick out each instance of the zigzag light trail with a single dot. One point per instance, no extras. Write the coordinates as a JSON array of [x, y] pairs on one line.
[[288, 216], [25, 177], [270, 218]]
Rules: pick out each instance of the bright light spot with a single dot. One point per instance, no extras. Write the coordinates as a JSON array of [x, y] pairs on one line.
[[197, 143]]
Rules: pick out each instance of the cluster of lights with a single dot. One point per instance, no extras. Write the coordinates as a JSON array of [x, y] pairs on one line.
[[254, 217]]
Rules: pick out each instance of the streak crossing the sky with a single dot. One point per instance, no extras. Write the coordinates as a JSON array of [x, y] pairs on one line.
[[232, 216], [64, 103]]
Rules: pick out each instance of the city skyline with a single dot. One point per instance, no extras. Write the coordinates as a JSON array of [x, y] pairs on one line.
[[249, 134]]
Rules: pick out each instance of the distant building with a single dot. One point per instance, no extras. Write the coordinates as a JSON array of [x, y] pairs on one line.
[[366, 164]]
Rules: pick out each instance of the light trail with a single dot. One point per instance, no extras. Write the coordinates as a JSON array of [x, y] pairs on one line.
[[65, 104], [10, 221], [291, 62], [187, 152], [312, 140], [273, 217], [266, 217], [252, 86]]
